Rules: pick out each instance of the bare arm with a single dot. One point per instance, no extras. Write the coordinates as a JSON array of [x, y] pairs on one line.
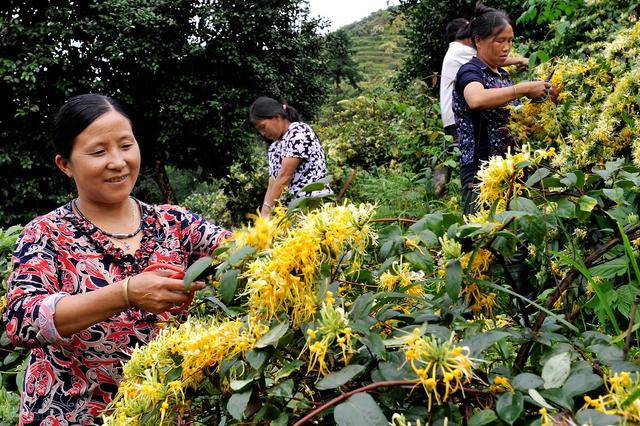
[[522, 63], [277, 185], [479, 98], [152, 291]]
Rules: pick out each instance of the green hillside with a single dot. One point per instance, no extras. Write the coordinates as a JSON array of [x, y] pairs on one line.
[[378, 45]]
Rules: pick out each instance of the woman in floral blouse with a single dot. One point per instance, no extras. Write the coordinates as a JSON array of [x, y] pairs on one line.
[[78, 296], [296, 157]]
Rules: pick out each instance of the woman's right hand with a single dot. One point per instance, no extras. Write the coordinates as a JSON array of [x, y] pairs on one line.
[[157, 292], [535, 89]]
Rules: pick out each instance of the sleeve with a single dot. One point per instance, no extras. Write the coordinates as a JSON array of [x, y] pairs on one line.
[[296, 144], [199, 236], [33, 291], [468, 74]]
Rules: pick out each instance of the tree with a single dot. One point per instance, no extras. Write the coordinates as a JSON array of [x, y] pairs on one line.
[[186, 71], [340, 62]]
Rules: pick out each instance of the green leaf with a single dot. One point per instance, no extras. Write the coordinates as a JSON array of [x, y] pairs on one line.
[[238, 403], [240, 254], [509, 406], [453, 279], [287, 369], [359, 410], [214, 300], [537, 176], [283, 390], [614, 194], [228, 285], [480, 342], [597, 418], [526, 381], [273, 336], [607, 353], [193, 272], [339, 378], [237, 385], [556, 370], [611, 269], [257, 359], [581, 383], [539, 399], [586, 203], [315, 186], [376, 345], [482, 418]]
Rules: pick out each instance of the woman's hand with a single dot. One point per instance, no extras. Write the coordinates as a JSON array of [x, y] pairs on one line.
[[157, 292], [536, 89]]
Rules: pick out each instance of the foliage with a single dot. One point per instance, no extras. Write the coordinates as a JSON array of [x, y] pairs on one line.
[[400, 193], [378, 45], [11, 359], [591, 123], [186, 70], [339, 56], [382, 125]]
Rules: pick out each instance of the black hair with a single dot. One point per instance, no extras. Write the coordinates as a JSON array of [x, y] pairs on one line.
[[75, 115], [453, 27], [265, 107], [486, 22]]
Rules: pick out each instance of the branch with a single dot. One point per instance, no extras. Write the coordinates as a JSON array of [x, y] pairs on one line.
[[346, 186], [393, 219], [573, 273], [366, 388]]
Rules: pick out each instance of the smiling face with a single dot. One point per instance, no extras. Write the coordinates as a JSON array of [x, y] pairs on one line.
[[495, 49], [104, 160], [272, 128]]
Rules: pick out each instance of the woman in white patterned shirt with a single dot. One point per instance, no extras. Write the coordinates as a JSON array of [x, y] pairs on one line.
[[296, 157]]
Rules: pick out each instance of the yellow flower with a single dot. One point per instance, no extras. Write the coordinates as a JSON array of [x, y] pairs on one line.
[[436, 362], [620, 387], [284, 279], [332, 326], [545, 418], [501, 384]]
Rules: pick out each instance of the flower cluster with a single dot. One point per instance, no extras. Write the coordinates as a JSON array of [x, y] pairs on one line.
[[332, 326], [262, 233], [501, 178], [400, 277], [621, 397], [598, 116], [284, 281], [158, 374], [438, 365]]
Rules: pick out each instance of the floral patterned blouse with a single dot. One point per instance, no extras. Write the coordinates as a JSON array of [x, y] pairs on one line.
[[300, 141], [481, 134], [69, 381]]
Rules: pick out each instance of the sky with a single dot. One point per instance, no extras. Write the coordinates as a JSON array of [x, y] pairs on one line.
[[343, 12]]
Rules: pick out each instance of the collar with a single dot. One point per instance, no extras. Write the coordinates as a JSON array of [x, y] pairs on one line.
[[480, 64]]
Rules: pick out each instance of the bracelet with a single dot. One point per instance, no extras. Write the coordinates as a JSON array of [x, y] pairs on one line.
[[515, 93], [125, 292], [268, 205]]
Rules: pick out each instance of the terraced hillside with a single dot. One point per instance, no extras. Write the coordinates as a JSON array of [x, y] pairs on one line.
[[377, 42]]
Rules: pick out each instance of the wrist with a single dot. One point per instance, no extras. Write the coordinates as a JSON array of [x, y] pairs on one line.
[[126, 294]]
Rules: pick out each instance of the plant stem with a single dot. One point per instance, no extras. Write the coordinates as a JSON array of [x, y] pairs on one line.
[[523, 353], [394, 219], [369, 387], [632, 320]]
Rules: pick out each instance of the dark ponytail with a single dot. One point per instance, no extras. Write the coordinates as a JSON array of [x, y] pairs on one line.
[[75, 115], [453, 29], [487, 21], [265, 107]]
